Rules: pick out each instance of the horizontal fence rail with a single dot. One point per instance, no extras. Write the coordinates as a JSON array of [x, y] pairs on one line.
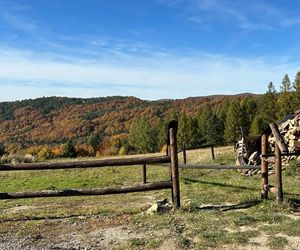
[[86, 164], [87, 192], [170, 158], [193, 166]]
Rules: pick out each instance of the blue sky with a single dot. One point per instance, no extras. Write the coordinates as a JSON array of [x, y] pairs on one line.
[[151, 49]]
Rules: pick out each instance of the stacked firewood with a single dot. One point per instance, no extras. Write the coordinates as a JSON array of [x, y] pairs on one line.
[[289, 128]]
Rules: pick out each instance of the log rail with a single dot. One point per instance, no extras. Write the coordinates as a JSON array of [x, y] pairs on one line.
[[170, 158]]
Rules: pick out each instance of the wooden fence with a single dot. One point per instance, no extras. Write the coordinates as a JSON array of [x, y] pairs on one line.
[[184, 149], [170, 157], [276, 158]]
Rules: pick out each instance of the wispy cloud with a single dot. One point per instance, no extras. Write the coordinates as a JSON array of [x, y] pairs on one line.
[[247, 15], [161, 75], [13, 16]]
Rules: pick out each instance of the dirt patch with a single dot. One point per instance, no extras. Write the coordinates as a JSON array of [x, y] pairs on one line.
[[16, 209], [75, 233]]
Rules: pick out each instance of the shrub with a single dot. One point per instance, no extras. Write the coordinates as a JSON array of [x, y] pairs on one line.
[[45, 154], [122, 151], [68, 150]]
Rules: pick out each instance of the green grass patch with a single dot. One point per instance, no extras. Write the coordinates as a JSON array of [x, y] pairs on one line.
[[241, 217]]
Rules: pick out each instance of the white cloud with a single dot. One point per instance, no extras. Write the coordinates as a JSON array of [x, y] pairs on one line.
[[247, 15], [24, 74]]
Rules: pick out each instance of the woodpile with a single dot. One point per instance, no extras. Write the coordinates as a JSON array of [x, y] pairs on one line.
[[289, 129]]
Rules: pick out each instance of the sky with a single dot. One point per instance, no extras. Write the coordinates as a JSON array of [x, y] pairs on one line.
[[151, 49]]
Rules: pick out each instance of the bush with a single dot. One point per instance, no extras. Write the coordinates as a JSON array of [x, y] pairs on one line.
[[123, 151], [68, 150], [45, 154]]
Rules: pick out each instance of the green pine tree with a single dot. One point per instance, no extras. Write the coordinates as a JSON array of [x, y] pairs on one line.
[[267, 107], [233, 122], [210, 126], [142, 137], [286, 85], [296, 93], [284, 103]]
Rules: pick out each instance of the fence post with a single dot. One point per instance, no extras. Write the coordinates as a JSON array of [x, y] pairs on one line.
[[278, 175], [184, 154], [174, 163], [144, 173], [212, 152], [264, 167]]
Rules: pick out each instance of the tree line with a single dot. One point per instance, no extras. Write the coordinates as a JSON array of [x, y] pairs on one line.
[[220, 125], [208, 123]]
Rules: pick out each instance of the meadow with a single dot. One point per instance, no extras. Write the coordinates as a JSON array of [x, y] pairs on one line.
[[221, 209]]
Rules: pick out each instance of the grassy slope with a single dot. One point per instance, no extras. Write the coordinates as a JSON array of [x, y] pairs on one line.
[[189, 227]]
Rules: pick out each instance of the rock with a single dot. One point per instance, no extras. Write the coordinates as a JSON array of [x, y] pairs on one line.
[[160, 207]]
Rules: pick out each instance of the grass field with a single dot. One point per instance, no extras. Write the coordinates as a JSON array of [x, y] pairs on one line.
[[239, 218]]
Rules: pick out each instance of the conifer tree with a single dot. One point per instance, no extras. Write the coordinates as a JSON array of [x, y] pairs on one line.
[[141, 136], [249, 111], [187, 133], [266, 107], [284, 101], [286, 85], [209, 126], [233, 122], [296, 93]]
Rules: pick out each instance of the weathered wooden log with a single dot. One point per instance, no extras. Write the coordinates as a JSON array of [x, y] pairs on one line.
[[264, 167], [82, 192], [87, 164], [196, 166], [270, 159], [144, 173], [278, 138], [278, 175], [174, 163], [184, 154], [212, 152]]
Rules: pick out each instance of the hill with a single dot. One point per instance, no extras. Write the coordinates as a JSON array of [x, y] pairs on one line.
[[55, 120]]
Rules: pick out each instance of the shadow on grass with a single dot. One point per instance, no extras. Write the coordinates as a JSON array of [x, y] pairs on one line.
[[227, 207], [218, 184], [294, 204]]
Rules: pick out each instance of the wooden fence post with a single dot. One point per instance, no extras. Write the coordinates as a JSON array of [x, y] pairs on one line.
[[264, 167], [278, 175], [174, 163], [184, 154], [144, 173], [212, 152]]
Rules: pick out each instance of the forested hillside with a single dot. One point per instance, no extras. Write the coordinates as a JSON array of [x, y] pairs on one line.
[[52, 127]]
